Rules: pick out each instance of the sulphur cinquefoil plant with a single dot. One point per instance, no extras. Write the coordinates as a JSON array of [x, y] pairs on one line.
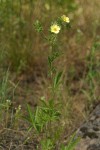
[[45, 118]]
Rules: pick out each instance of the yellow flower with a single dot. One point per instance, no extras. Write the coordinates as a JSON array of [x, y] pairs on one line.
[[55, 28], [65, 19]]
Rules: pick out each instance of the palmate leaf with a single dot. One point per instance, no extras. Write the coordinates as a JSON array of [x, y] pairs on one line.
[[34, 119], [49, 61], [52, 57], [57, 79], [49, 111], [30, 113], [38, 26]]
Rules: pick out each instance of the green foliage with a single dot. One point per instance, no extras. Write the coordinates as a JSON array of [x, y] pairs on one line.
[[38, 27], [4, 87], [93, 74], [42, 115], [57, 79], [72, 143], [47, 144]]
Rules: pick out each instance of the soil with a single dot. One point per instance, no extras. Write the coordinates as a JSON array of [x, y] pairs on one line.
[[28, 91], [90, 132]]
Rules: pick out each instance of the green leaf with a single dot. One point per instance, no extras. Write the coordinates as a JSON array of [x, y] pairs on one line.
[[31, 118], [73, 142], [38, 27], [30, 114], [57, 79]]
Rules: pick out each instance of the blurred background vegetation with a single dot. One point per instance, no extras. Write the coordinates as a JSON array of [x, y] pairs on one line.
[[21, 46]]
